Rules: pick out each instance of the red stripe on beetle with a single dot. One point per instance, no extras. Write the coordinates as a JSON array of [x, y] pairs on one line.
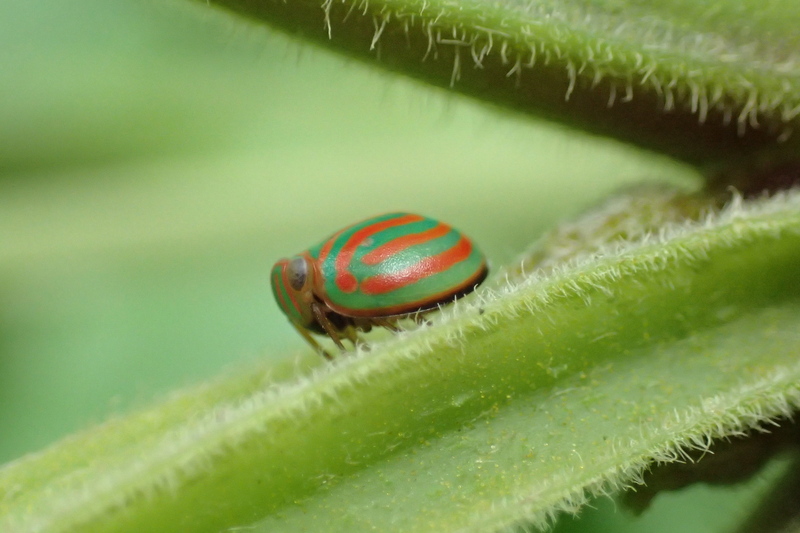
[[325, 251], [385, 251], [279, 290], [383, 283], [346, 281]]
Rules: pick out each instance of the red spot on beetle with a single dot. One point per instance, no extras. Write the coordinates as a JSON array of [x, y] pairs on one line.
[[346, 282]]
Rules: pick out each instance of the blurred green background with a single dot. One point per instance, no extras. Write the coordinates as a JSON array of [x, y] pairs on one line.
[[157, 158]]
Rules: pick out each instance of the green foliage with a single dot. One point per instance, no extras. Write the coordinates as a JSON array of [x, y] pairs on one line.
[[509, 408], [688, 79]]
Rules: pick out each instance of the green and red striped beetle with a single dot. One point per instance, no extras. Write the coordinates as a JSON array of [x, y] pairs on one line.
[[373, 273]]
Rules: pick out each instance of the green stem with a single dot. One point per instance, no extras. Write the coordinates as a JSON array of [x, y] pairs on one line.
[[617, 70]]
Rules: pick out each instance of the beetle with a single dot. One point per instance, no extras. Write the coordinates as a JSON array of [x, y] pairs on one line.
[[373, 273]]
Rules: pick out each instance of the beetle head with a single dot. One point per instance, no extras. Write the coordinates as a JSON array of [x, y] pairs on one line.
[[292, 285]]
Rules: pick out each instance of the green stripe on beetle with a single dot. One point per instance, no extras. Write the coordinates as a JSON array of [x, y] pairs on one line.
[[374, 272]]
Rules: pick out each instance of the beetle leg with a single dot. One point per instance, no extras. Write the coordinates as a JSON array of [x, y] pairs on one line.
[[352, 335], [312, 341], [327, 325], [384, 323]]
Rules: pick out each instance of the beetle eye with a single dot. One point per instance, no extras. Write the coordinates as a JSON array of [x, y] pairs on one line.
[[297, 272]]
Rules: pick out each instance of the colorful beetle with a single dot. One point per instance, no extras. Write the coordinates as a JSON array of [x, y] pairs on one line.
[[372, 273]]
